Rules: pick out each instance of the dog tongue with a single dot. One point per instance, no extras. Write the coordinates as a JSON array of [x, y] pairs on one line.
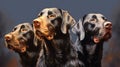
[[23, 49], [96, 39]]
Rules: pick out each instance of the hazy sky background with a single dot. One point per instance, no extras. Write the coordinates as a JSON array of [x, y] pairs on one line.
[[17, 11], [27, 10]]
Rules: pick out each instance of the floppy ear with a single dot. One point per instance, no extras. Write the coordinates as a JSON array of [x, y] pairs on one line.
[[68, 21], [79, 30], [35, 37], [35, 41]]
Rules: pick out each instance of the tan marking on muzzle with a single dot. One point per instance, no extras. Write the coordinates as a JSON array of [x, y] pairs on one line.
[[43, 27], [12, 40], [8, 37], [41, 21], [37, 22]]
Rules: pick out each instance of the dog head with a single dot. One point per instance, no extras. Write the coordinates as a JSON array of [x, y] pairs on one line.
[[50, 21], [20, 38], [96, 25]]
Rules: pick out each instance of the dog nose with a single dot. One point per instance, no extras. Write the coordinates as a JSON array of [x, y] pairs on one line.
[[108, 25], [36, 23], [8, 37]]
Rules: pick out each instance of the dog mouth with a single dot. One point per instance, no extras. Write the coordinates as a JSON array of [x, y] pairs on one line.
[[10, 47], [45, 33], [107, 36], [104, 37], [17, 47], [39, 34]]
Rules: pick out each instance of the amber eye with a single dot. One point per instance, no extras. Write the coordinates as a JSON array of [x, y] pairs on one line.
[[24, 30], [92, 19], [52, 16]]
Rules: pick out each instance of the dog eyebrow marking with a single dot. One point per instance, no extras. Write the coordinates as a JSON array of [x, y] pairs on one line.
[[22, 26], [50, 12]]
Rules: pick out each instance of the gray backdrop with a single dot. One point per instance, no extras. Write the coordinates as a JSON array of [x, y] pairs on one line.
[[13, 12]]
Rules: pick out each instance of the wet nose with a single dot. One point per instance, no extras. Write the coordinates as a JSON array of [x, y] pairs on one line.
[[108, 25], [36, 24], [8, 37]]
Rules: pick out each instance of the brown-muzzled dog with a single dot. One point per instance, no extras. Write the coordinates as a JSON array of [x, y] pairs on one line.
[[21, 40], [53, 25]]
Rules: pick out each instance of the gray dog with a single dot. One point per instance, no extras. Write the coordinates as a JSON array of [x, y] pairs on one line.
[[92, 31]]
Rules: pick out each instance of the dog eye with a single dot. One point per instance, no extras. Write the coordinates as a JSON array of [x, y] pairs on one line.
[[93, 19], [104, 18], [14, 29], [24, 30], [52, 16], [40, 14]]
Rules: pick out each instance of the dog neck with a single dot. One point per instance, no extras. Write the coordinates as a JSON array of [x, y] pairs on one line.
[[92, 51], [55, 50], [29, 58], [57, 43]]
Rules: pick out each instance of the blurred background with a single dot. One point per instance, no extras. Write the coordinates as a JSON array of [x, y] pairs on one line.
[[13, 12]]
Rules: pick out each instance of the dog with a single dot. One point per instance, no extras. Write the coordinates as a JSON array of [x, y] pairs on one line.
[[21, 40], [53, 25], [92, 31]]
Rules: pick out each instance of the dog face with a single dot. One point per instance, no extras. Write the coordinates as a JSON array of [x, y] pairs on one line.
[[52, 20], [97, 26], [18, 39]]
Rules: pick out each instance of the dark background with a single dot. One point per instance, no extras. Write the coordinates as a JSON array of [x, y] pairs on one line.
[[13, 12]]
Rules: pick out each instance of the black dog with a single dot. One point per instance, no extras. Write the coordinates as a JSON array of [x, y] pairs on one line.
[[53, 26], [92, 32], [21, 40]]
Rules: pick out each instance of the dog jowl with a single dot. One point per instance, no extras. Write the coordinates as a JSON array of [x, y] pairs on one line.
[[20, 40]]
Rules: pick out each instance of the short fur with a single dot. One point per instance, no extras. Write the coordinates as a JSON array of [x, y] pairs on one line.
[[92, 32], [21, 41], [54, 25]]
